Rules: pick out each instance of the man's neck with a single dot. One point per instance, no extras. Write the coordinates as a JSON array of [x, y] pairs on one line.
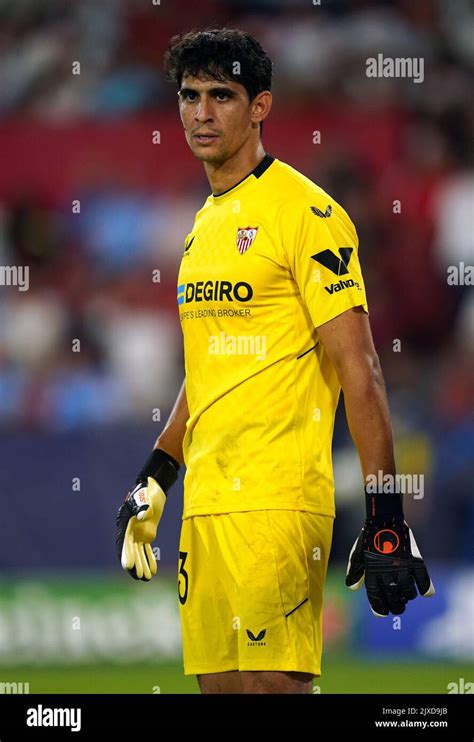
[[232, 171]]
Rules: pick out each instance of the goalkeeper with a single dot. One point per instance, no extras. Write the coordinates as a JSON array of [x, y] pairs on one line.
[[273, 260]]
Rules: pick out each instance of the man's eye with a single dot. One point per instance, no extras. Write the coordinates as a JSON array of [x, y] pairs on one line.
[[222, 96], [188, 96]]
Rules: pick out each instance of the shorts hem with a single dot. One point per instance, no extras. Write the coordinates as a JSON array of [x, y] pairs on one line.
[[208, 669], [249, 666], [278, 667]]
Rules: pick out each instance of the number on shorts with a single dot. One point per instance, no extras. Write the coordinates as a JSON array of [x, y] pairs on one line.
[[182, 557]]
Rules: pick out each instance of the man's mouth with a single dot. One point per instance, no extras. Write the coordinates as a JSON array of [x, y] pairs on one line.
[[205, 138]]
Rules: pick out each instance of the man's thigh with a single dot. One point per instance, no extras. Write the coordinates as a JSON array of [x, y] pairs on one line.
[[221, 682], [276, 682], [258, 681]]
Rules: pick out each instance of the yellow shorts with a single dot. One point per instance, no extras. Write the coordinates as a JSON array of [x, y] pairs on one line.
[[250, 588]]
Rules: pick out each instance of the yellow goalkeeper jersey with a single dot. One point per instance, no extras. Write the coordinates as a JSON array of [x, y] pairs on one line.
[[266, 263]]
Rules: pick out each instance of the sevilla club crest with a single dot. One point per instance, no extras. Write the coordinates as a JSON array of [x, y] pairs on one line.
[[245, 237]]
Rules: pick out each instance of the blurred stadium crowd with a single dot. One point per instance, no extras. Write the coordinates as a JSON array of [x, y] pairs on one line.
[[93, 277]]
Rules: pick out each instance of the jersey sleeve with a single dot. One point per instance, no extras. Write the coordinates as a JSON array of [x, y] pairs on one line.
[[320, 246]]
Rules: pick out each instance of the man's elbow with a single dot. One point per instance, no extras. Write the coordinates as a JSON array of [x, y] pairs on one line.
[[361, 370]]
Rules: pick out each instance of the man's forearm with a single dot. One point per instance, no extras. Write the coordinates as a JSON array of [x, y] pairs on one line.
[[171, 437], [368, 415]]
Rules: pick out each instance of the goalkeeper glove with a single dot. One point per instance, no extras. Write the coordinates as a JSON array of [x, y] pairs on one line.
[[386, 555], [139, 515]]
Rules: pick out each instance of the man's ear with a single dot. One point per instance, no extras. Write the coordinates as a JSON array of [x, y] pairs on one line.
[[261, 106]]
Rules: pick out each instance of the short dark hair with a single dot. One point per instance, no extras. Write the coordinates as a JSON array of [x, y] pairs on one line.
[[214, 52]]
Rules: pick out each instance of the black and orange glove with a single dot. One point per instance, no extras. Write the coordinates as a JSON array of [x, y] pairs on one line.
[[386, 556]]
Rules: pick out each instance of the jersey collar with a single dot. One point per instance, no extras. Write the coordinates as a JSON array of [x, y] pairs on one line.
[[257, 172]]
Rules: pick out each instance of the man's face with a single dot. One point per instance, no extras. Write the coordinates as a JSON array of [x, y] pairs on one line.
[[216, 117]]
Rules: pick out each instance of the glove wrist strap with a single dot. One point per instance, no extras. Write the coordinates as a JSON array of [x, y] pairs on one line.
[[383, 507], [162, 467]]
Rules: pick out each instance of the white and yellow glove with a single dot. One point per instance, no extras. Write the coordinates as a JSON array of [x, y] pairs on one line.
[[139, 515]]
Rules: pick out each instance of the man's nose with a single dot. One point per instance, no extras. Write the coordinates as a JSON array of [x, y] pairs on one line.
[[203, 109]]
